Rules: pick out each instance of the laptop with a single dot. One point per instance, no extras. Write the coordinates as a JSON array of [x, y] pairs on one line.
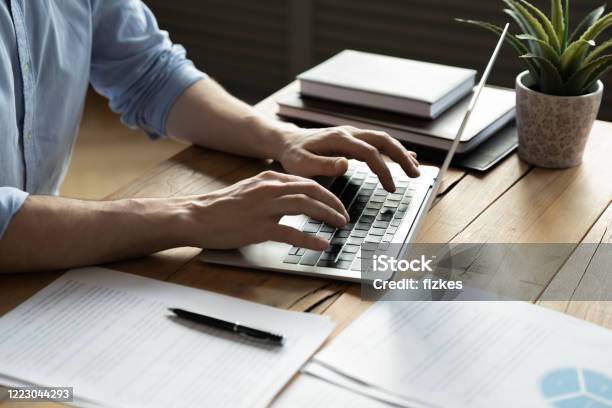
[[377, 218]]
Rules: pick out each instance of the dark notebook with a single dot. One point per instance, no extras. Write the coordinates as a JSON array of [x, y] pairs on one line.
[[482, 158]]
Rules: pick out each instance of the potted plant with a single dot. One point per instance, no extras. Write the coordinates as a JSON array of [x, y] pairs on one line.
[[558, 96]]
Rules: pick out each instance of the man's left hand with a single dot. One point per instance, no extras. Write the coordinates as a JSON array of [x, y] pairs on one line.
[[324, 152]]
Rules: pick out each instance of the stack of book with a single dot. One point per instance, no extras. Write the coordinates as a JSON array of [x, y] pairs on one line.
[[416, 102]]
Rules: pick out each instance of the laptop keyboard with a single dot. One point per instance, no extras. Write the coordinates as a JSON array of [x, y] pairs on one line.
[[375, 216]]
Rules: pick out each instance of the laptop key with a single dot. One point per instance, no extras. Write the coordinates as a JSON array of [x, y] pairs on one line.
[[369, 211], [327, 256], [359, 234], [336, 240], [338, 185], [324, 235], [363, 226], [310, 258], [347, 256], [334, 248], [388, 238], [380, 224], [374, 239], [377, 231], [367, 218], [386, 214], [342, 233], [337, 265], [343, 265], [327, 228], [308, 227], [292, 259], [355, 240], [351, 248]]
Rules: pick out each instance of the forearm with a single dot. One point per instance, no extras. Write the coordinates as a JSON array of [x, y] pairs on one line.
[[54, 233], [206, 115]]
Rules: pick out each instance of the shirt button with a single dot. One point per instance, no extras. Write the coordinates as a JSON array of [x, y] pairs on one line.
[[26, 67], [29, 136]]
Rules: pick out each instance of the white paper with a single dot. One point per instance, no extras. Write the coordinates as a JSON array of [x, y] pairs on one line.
[[109, 335], [331, 376], [476, 354], [309, 391]]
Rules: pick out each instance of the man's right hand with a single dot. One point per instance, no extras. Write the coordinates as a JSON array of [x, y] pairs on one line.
[[54, 233], [249, 212]]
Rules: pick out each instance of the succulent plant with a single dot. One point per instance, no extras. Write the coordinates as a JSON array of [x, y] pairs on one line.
[[560, 63]]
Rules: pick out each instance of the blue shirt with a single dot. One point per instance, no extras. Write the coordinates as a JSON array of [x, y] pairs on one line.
[[50, 50]]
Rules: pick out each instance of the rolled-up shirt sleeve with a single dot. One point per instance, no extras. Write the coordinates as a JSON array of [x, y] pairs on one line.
[[136, 66], [11, 200]]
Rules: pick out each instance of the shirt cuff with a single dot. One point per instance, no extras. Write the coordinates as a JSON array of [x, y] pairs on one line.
[[182, 77], [11, 200]]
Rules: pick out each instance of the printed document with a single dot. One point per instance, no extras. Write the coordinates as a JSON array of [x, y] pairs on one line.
[[109, 335], [474, 354]]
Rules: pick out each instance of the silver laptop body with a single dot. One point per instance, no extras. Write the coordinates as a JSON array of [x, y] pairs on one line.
[[378, 218]]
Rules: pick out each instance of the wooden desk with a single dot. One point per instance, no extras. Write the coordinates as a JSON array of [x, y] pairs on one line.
[[512, 203]]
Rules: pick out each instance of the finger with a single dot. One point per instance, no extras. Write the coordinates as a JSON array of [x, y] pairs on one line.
[[290, 235], [413, 156], [302, 204], [392, 148], [366, 152], [316, 165], [416, 163], [275, 175], [313, 190]]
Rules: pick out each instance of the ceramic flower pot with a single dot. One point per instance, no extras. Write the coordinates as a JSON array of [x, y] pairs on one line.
[[553, 130]]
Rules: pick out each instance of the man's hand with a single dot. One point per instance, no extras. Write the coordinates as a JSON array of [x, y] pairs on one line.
[[248, 212], [323, 152]]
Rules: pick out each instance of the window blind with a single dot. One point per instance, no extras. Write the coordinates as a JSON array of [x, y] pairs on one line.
[[254, 48]]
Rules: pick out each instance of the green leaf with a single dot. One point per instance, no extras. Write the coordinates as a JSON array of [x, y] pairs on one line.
[[510, 39], [522, 25], [545, 49], [577, 82], [536, 28], [598, 51], [558, 22], [553, 39], [600, 25], [520, 21], [550, 80], [566, 25], [573, 57], [595, 76], [588, 21]]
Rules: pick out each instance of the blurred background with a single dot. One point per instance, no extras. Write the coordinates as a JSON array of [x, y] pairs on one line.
[[255, 47]]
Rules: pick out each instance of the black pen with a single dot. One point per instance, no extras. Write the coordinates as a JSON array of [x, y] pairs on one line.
[[234, 327]]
